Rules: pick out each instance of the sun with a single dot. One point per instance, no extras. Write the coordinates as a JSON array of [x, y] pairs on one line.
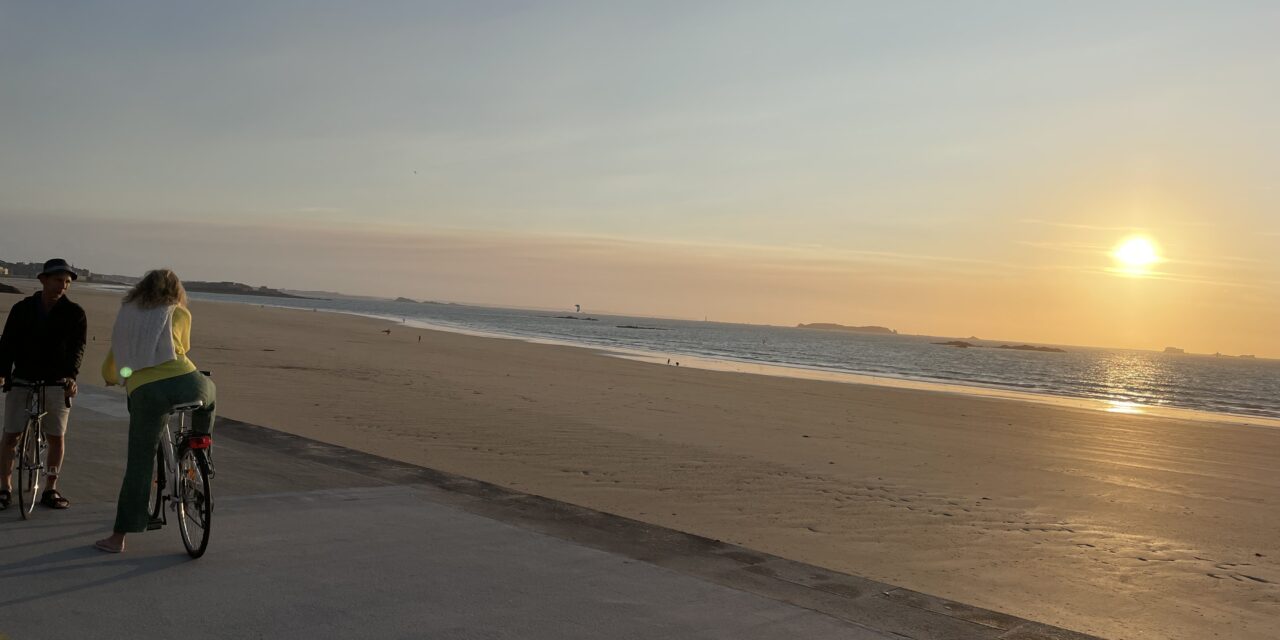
[[1136, 254]]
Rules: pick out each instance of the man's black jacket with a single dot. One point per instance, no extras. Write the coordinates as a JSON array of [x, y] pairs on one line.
[[43, 348]]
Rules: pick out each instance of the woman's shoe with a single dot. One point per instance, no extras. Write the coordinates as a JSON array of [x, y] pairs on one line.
[[105, 545]]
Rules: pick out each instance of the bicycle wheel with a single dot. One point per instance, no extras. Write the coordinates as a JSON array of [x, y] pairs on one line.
[[30, 446], [157, 493], [195, 503]]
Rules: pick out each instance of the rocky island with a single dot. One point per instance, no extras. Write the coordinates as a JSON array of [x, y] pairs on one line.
[[960, 344], [831, 326], [237, 289]]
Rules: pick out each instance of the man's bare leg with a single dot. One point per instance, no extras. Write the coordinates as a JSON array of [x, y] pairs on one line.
[[57, 449]]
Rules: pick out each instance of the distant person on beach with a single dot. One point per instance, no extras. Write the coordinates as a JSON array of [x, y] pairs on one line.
[[43, 341], [149, 346]]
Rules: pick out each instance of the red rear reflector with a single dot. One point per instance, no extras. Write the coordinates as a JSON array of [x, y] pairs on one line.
[[200, 442]]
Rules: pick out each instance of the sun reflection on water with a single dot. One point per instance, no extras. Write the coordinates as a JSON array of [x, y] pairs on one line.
[[1126, 380], [1123, 406]]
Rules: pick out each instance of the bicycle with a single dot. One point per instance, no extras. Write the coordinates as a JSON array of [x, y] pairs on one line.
[[182, 475], [33, 446]]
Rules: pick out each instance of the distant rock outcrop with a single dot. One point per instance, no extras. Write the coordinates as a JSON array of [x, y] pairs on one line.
[[577, 318], [831, 326], [4, 288], [407, 300], [123, 281], [633, 326], [236, 289], [960, 344], [1174, 350]]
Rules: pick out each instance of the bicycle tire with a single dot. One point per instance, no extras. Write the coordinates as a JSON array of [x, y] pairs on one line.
[[195, 502], [157, 489], [28, 470]]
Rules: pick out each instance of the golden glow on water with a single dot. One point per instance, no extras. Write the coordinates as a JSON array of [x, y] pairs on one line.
[[1135, 255], [1112, 373], [1120, 406]]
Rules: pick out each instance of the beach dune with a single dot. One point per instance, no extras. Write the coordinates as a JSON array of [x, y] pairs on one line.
[[1125, 526]]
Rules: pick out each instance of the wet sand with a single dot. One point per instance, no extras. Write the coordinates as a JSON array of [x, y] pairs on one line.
[[1126, 526]]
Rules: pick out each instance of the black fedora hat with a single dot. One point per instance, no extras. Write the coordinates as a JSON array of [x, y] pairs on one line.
[[58, 264]]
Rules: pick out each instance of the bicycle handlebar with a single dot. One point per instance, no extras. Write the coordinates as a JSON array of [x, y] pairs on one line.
[[36, 384], [40, 384]]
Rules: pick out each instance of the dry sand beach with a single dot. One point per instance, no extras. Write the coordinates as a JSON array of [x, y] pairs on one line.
[[1126, 526]]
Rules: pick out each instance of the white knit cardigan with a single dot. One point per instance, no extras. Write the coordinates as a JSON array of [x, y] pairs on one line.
[[142, 337]]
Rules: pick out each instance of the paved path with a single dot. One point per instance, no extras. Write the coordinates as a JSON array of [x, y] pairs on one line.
[[311, 540]]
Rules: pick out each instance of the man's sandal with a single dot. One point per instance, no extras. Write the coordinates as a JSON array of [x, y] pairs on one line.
[[53, 499], [5, 499]]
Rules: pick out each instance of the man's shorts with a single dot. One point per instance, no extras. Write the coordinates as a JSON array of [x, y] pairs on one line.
[[55, 421]]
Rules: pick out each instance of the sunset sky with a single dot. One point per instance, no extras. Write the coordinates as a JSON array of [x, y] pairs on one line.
[[943, 168]]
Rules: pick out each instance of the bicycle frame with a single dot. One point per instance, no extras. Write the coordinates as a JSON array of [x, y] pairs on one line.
[[35, 420], [35, 406], [169, 457]]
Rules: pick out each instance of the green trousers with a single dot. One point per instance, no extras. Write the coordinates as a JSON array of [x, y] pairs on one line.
[[149, 407]]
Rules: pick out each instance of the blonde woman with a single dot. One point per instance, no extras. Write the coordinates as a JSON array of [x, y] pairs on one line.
[[148, 355]]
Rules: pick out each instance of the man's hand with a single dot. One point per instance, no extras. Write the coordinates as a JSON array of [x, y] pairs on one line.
[[1, 381], [72, 389]]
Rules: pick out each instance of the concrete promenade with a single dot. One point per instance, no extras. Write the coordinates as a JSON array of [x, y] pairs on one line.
[[313, 541]]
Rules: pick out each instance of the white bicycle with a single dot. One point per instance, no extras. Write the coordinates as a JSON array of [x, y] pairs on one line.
[[182, 475]]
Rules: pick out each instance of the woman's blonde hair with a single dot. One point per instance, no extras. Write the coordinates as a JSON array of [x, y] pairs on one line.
[[159, 288]]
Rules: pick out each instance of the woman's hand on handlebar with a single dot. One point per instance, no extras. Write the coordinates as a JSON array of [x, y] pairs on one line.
[[72, 389]]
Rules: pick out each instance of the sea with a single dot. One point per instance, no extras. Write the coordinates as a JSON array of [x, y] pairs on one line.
[[1125, 380]]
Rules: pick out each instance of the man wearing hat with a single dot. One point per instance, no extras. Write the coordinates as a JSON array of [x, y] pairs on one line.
[[43, 340]]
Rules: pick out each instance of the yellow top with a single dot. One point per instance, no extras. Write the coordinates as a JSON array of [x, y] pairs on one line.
[[180, 365]]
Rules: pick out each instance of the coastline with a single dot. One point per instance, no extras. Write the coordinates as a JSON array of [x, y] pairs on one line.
[[730, 365], [1126, 526]]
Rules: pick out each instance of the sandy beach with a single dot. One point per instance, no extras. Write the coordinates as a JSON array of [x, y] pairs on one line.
[[1125, 526]]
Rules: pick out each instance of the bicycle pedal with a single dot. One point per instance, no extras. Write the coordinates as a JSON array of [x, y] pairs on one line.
[[152, 525]]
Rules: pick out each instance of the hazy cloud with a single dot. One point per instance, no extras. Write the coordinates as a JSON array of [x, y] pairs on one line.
[[1086, 227]]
